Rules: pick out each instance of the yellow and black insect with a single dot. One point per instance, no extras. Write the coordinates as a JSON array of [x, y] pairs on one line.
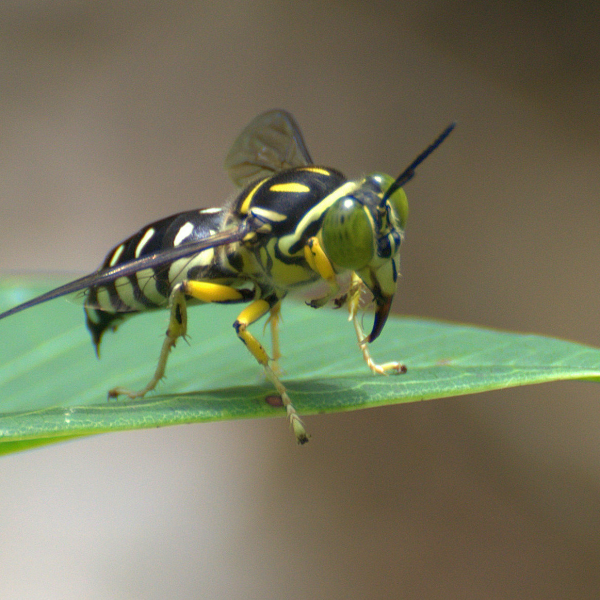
[[293, 225]]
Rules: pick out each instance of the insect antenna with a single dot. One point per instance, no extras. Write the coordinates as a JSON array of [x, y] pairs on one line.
[[409, 172]]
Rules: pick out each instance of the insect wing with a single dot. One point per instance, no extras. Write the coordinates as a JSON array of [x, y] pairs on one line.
[[152, 261], [271, 142]]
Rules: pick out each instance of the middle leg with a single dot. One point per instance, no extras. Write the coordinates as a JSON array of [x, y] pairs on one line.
[[250, 315]]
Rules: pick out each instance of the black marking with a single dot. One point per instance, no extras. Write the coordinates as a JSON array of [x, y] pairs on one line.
[[105, 321], [386, 247], [237, 326], [235, 260]]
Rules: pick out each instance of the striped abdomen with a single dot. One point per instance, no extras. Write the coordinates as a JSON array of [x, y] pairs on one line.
[[107, 305]]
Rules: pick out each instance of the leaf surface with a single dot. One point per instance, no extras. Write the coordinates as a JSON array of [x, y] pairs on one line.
[[52, 387]]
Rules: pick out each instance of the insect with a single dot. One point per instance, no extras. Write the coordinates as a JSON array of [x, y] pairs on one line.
[[294, 224]]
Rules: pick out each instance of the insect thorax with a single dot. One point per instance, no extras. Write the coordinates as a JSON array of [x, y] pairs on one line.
[[287, 209]]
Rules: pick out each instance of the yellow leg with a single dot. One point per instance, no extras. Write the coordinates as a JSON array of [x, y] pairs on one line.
[[317, 260], [356, 288], [211, 292], [204, 291], [273, 322], [249, 315]]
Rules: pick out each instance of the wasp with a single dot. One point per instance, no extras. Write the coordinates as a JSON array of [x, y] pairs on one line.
[[293, 225]]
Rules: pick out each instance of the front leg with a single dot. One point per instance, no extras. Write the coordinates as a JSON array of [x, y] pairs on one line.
[[353, 299], [317, 260]]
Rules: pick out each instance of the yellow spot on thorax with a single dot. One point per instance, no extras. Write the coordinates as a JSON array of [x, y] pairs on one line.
[[316, 170], [289, 187], [246, 203]]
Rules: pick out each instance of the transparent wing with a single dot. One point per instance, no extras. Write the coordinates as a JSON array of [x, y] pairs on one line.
[[270, 143], [151, 261]]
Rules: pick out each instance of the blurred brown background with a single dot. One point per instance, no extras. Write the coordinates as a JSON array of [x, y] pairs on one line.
[[117, 113]]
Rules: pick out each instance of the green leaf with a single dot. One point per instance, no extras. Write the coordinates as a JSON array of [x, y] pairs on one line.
[[53, 388]]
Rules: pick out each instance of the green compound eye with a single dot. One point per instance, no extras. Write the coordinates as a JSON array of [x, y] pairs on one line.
[[347, 234]]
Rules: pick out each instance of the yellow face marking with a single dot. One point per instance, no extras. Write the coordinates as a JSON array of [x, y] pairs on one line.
[[289, 187], [145, 239], [317, 170], [246, 204], [116, 254]]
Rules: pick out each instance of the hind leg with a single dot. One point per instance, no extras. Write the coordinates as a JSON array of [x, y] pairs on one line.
[[201, 290]]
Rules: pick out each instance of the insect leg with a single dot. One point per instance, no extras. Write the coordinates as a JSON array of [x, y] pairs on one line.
[[249, 315], [273, 322], [356, 288], [204, 291], [318, 261]]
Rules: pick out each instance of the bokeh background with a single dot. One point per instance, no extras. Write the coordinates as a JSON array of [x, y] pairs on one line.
[[116, 113]]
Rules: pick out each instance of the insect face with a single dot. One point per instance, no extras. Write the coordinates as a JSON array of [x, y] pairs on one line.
[[362, 232]]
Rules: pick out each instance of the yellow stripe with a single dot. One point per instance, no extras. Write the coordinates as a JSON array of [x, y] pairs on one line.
[[103, 300], [116, 254], [125, 291], [145, 239], [269, 215], [314, 214], [289, 187], [147, 283], [316, 170], [246, 204]]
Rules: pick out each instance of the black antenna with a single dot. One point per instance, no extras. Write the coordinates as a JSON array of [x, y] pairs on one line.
[[409, 172]]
